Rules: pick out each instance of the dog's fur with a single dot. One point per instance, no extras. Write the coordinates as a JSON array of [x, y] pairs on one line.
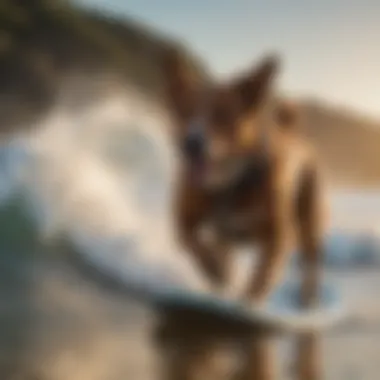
[[255, 167]]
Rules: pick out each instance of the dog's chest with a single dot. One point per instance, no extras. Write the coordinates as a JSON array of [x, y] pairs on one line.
[[240, 221]]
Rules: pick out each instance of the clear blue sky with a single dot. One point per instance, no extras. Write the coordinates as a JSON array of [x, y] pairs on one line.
[[331, 48]]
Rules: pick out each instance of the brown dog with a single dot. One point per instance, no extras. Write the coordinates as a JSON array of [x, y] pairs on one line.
[[247, 174]]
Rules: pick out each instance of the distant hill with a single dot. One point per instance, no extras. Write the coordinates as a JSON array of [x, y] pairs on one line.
[[43, 41], [349, 144]]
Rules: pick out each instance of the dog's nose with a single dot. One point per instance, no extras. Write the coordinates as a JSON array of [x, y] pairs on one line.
[[194, 146]]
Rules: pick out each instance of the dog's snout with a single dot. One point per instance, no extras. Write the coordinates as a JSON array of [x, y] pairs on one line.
[[194, 146]]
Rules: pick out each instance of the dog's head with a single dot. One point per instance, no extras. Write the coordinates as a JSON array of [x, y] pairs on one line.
[[220, 126]]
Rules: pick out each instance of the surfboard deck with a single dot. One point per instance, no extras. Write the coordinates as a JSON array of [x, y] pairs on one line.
[[281, 314]]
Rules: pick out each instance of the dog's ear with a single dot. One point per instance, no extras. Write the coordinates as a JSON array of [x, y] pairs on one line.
[[180, 83], [253, 88]]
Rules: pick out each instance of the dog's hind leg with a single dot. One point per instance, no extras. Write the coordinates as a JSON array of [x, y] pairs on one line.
[[310, 212], [274, 245]]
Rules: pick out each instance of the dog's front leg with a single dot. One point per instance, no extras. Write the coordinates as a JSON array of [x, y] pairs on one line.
[[273, 255], [192, 208], [274, 246], [213, 258], [273, 258]]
